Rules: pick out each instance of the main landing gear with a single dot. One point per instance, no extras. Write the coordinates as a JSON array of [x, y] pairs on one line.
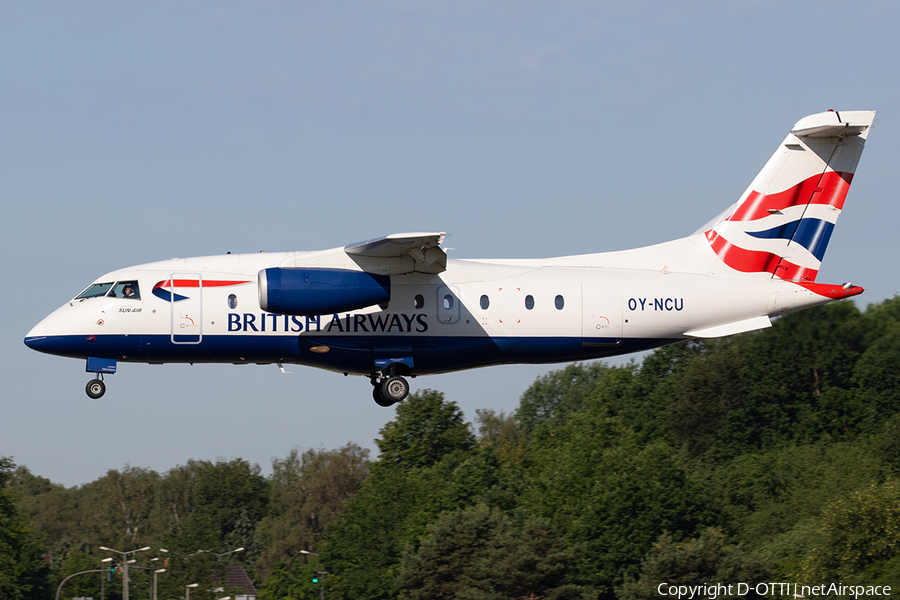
[[388, 390], [95, 388]]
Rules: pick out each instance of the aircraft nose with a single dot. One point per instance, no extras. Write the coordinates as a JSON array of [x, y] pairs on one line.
[[36, 339]]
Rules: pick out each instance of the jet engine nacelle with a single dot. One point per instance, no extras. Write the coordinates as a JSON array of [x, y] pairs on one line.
[[301, 291]]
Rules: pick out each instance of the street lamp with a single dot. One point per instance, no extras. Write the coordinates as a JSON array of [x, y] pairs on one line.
[[241, 549], [103, 579], [59, 589], [155, 574], [322, 572], [187, 593], [206, 552], [125, 566]]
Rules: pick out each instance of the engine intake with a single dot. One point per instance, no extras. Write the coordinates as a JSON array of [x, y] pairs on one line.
[[296, 291]]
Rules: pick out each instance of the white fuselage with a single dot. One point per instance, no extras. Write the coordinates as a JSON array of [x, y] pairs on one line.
[[476, 312]]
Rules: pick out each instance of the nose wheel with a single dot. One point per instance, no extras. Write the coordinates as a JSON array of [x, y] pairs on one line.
[[389, 390], [95, 388]]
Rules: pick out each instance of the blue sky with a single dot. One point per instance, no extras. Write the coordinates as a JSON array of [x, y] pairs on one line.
[[133, 132]]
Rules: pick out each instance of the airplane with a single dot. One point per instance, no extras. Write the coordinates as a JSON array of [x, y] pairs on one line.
[[397, 306]]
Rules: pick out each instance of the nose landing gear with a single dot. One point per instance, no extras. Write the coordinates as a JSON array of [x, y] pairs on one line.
[[388, 390], [95, 388]]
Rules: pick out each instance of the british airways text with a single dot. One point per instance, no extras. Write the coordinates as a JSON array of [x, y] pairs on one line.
[[348, 323]]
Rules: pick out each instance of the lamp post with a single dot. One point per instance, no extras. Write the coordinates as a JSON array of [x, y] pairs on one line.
[[103, 579], [163, 550], [187, 590], [124, 566], [155, 574], [59, 589], [321, 589]]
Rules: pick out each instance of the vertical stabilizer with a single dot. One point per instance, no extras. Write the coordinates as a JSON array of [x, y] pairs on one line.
[[782, 224]]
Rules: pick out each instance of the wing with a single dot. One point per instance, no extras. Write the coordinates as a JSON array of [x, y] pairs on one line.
[[400, 253]]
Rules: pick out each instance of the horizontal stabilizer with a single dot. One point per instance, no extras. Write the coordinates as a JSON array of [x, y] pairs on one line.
[[833, 124], [400, 253], [734, 328]]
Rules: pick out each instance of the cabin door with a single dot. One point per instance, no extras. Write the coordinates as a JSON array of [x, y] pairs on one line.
[[186, 301], [601, 312]]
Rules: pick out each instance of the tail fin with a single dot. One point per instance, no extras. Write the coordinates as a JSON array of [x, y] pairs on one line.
[[783, 222]]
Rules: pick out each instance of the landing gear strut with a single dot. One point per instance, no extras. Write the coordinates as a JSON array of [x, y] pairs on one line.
[[388, 390], [95, 388]]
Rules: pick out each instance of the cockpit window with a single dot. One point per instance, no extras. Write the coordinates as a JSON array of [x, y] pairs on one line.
[[121, 289], [126, 289], [94, 291]]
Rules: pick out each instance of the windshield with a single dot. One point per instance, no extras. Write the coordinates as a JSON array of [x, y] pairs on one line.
[[95, 290], [121, 289]]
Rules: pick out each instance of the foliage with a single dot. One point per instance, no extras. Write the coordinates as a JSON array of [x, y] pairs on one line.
[[859, 538], [426, 429], [302, 580], [594, 480], [550, 400], [478, 553], [308, 492], [23, 573], [706, 560], [424, 453]]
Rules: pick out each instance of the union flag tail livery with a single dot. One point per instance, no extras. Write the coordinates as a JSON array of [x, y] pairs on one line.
[[782, 224], [397, 306]]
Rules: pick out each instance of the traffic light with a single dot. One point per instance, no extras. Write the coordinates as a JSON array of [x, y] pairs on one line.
[[112, 569], [315, 580]]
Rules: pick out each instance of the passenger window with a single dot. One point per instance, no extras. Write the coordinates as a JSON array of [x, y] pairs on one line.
[[485, 302], [94, 291], [529, 302], [420, 301], [560, 302], [448, 301], [126, 289], [232, 301]]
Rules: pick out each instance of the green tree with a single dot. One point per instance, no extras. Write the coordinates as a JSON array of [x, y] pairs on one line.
[[859, 538], [23, 572], [478, 553], [504, 434], [426, 429], [764, 494], [877, 380], [308, 492], [796, 379], [363, 546], [213, 507], [558, 394], [596, 482], [414, 480], [293, 582], [705, 395], [705, 560]]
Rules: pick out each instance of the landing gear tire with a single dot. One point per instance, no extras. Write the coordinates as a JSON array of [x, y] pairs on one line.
[[394, 389], [95, 388], [390, 390], [376, 395]]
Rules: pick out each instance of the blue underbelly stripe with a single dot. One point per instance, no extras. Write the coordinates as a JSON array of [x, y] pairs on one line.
[[353, 354]]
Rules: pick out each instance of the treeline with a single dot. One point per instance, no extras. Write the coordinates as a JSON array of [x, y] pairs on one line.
[[770, 456]]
